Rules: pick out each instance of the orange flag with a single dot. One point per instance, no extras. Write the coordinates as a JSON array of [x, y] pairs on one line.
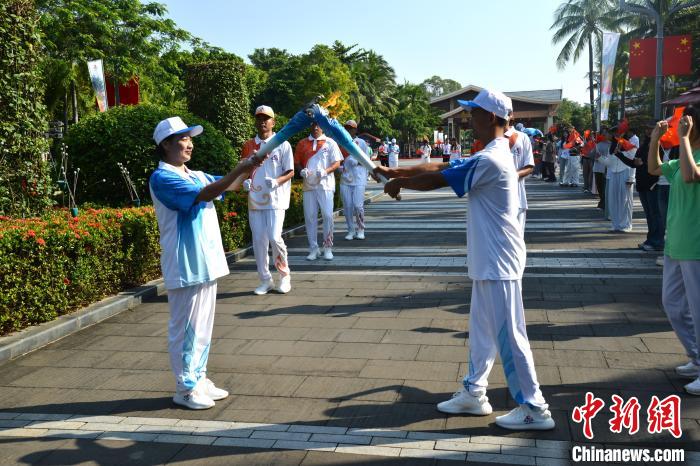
[[574, 140], [670, 138]]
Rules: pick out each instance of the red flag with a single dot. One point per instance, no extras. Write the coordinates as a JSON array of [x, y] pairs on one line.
[[623, 126], [553, 129], [670, 138], [677, 56], [642, 58], [625, 145], [128, 92], [574, 140]]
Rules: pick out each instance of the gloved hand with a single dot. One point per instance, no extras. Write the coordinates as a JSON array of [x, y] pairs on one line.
[[320, 173], [247, 185], [304, 173], [271, 183]]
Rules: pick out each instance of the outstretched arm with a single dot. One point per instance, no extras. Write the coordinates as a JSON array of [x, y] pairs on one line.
[[215, 189], [422, 182], [403, 172]]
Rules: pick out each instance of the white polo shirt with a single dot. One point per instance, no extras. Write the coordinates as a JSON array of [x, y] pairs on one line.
[[522, 157], [354, 173], [495, 246], [279, 161], [318, 154], [191, 249]]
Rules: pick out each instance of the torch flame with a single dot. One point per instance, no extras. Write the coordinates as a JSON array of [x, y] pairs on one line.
[[331, 102]]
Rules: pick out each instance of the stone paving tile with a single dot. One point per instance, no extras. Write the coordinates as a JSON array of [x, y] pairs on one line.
[[302, 358], [369, 351], [419, 370]]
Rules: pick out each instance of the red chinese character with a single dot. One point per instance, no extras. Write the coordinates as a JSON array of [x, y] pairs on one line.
[[665, 415], [626, 415], [587, 412]]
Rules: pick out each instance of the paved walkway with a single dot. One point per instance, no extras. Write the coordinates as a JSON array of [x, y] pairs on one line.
[[347, 368]]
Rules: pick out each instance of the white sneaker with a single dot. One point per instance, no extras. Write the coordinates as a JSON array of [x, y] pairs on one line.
[[328, 254], [360, 234], [313, 255], [285, 284], [693, 387], [264, 287], [193, 400], [464, 402], [660, 261], [525, 418], [212, 392], [689, 370], [350, 235]]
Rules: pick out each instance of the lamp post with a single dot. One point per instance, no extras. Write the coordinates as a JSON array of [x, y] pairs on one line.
[[653, 13]]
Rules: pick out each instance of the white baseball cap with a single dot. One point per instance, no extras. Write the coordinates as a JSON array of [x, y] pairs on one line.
[[491, 101], [520, 127], [351, 123], [393, 141], [174, 125], [265, 110]]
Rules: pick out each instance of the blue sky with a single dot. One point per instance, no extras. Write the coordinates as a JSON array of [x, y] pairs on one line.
[[502, 45]]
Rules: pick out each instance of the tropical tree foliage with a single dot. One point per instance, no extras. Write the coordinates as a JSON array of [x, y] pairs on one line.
[[579, 24], [437, 86]]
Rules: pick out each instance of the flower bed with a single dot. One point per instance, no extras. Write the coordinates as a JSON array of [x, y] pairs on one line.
[[56, 264]]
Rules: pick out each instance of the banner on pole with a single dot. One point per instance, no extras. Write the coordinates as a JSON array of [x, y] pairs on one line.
[[97, 77], [610, 40]]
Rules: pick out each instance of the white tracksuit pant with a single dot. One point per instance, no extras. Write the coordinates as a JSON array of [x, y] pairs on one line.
[[189, 333], [393, 160], [522, 219], [266, 226], [572, 170], [620, 198], [313, 201], [497, 323], [353, 206], [681, 300]]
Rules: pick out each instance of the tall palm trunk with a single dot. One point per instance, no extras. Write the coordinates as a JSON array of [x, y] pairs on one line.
[[590, 80]]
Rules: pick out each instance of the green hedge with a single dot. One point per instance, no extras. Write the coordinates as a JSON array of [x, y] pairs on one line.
[[53, 265], [125, 135], [25, 184]]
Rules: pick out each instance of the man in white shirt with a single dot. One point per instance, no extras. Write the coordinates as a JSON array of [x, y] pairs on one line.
[[621, 179], [496, 261], [269, 188], [426, 150], [393, 154], [353, 180], [521, 148], [315, 159]]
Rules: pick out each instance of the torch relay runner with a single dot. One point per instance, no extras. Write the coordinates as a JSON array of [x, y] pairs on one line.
[[192, 256], [269, 189], [315, 159], [496, 260], [353, 180]]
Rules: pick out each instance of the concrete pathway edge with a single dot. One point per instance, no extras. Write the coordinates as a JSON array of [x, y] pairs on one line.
[[32, 338]]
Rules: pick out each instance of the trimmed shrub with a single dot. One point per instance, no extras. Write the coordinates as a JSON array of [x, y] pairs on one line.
[[125, 135], [55, 264], [25, 183], [217, 91]]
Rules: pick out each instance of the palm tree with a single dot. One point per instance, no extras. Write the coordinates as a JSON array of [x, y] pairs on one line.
[[580, 24]]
